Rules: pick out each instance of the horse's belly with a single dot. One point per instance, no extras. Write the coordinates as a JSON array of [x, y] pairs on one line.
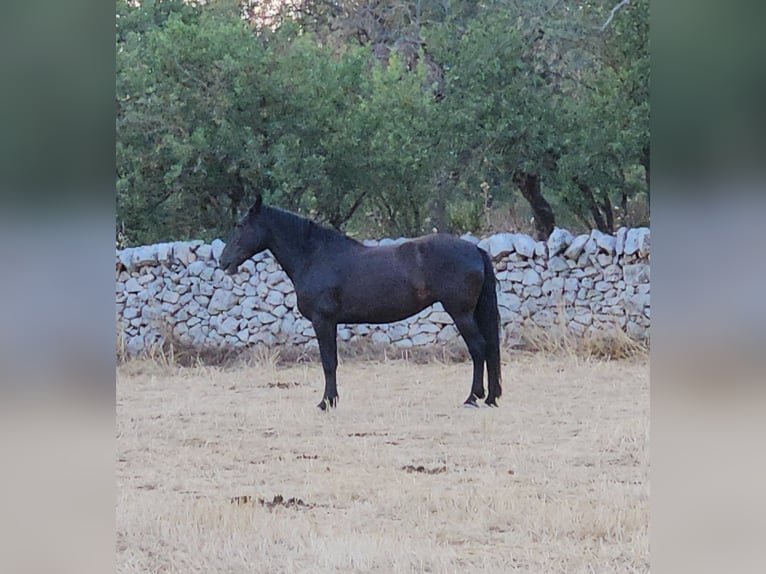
[[378, 314], [383, 303]]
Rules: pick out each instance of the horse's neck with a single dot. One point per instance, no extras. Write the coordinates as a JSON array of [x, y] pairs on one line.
[[293, 244], [289, 242]]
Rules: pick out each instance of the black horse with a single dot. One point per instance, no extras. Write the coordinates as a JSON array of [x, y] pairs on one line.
[[339, 280]]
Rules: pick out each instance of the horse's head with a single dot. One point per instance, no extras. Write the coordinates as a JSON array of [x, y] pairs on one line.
[[247, 239]]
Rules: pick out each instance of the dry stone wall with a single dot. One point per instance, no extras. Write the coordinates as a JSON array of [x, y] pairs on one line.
[[598, 281]]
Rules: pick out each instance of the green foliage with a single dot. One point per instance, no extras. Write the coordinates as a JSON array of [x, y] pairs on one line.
[[606, 120], [398, 117], [211, 111], [189, 124], [498, 116]]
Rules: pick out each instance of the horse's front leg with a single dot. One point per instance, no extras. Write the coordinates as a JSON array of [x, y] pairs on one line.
[[328, 350]]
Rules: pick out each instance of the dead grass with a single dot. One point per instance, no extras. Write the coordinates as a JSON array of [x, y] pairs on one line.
[[558, 339], [170, 350], [614, 344], [235, 470]]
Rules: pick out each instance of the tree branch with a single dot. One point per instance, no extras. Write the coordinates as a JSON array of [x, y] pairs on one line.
[[342, 219], [590, 201], [622, 4]]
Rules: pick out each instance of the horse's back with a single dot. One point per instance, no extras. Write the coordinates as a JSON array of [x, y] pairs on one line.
[[441, 253], [449, 269], [427, 258], [388, 283]]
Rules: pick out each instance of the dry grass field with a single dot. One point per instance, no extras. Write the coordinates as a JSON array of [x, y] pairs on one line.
[[234, 470]]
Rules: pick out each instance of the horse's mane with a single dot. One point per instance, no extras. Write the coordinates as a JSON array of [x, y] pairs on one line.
[[310, 230]]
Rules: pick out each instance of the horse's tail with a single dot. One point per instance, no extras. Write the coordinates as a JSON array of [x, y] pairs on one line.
[[487, 316]]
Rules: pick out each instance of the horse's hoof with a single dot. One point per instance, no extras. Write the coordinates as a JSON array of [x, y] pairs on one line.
[[471, 402], [327, 404]]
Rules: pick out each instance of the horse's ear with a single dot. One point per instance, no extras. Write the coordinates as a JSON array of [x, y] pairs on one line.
[[256, 208]]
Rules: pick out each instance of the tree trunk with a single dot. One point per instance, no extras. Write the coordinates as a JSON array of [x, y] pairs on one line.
[[646, 162], [624, 206], [609, 213], [437, 206], [529, 185], [601, 223], [237, 194]]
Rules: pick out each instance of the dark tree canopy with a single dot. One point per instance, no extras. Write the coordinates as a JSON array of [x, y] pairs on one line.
[[381, 117]]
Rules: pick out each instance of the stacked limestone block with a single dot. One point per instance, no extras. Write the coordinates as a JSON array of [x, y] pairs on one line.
[[599, 281]]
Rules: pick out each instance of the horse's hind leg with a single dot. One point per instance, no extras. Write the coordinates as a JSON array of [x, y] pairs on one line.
[[469, 330]]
